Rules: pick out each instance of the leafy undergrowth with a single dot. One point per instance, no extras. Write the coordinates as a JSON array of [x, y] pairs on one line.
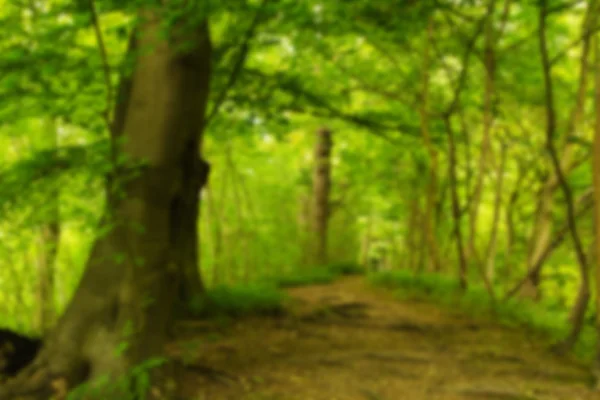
[[267, 298], [238, 301], [319, 275], [444, 291], [313, 276]]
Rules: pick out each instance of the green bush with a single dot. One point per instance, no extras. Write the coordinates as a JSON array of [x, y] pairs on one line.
[[417, 285], [313, 276], [236, 301], [319, 275], [346, 268]]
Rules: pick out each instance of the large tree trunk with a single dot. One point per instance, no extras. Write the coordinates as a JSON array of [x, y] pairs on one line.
[[129, 288], [321, 189], [187, 212]]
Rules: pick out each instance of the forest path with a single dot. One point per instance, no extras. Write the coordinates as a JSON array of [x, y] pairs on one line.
[[349, 341]]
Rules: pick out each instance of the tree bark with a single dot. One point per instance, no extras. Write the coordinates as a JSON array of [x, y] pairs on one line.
[[130, 285], [321, 192], [186, 210]]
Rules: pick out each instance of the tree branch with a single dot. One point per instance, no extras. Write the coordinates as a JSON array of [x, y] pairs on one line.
[[462, 79], [105, 64], [239, 63]]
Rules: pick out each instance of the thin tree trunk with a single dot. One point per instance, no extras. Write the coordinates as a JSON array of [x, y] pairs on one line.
[[50, 231], [468, 157], [421, 245], [411, 231], [321, 193], [214, 229], [432, 183], [365, 245], [510, 224], [441, 203], [303, 222], [456, 213], [596, 183], [584, 292], [49, 243], [240, 234], [216, 208], [488, 118], [583, 204], [541, 236], [541, 233], [490, 263]]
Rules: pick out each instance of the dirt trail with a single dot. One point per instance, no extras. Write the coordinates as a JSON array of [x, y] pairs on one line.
[[348, 341]]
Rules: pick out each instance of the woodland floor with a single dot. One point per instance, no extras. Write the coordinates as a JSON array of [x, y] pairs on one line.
[[349, 341]]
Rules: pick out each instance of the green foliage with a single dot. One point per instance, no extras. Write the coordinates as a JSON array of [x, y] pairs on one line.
[[280, 70], [238, 301], [28, 181], [346, 268], [134, 385], [312, 276], [435, 286], [319, 275]]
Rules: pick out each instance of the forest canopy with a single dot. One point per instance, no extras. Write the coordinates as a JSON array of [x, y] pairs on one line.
[[153, 152]]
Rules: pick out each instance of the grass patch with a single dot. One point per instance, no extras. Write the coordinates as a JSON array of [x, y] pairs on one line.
[[443, 290], [346, 268], [320, 275], [238, 301], [265, 298], [313, 276], [424, 286]]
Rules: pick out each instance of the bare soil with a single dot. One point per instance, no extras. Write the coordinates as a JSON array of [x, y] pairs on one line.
[[349, 341]]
